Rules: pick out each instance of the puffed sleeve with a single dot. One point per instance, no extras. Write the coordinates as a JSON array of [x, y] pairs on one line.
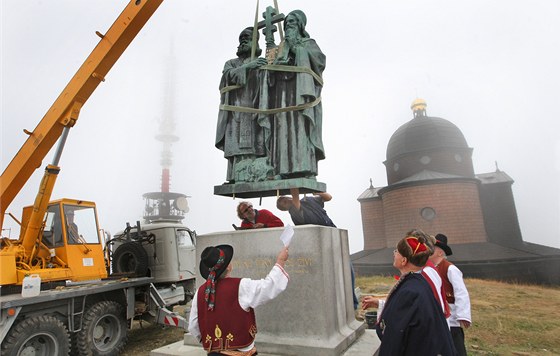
[[253, 293]]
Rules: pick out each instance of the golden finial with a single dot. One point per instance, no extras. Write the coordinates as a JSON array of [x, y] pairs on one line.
[[418, 107]]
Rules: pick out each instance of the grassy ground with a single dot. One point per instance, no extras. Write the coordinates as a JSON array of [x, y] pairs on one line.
[[508, 319]]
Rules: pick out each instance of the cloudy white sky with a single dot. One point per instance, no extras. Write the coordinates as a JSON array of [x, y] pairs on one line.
[[490, 67]]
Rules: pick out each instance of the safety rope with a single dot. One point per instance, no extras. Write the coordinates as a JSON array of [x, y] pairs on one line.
[[271, 111], [280, 68]]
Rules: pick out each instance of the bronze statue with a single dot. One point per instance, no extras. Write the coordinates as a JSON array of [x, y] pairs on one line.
[[270, 119], [294, 85], [238, 133]]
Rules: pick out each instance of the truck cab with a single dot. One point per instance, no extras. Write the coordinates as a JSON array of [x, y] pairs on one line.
[[163, 250], [69, 247]]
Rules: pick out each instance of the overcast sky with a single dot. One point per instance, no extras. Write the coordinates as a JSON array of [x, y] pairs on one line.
[[490, 67]]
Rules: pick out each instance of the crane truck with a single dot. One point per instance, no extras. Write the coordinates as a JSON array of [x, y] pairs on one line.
[[91, 287]]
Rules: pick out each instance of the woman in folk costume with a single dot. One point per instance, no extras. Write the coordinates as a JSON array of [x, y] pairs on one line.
[[412, 321], [222, 315], [430, 274]]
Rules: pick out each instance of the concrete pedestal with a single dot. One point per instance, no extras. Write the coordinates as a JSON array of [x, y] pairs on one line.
[[315, 314]]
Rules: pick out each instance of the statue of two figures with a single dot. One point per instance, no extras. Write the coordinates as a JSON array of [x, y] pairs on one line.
[[270, 118]]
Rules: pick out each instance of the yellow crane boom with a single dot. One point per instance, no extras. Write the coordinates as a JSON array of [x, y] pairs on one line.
[[65, 110]]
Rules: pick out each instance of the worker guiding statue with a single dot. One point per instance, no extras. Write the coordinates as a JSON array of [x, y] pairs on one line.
[[270, 117]]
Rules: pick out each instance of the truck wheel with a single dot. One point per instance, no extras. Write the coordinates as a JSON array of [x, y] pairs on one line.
[[130, 257], [103, 330], [42, 335]]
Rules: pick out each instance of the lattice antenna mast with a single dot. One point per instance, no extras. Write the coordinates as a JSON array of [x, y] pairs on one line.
[[167, 127], [166, 205]]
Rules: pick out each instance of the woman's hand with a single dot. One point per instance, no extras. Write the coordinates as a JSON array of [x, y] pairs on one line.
[[369, 302]]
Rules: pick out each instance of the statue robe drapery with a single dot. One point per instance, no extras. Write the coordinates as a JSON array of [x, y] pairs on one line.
[[294, 137], [238, 133]]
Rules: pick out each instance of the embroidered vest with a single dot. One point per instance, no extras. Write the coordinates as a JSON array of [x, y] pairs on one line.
[[228, 326], [447, 286]]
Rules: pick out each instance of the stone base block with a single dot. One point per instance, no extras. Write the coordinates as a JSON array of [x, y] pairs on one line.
[[315, 314]]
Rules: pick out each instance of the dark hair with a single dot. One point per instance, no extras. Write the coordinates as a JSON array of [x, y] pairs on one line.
[[421, 255], [279, 201]]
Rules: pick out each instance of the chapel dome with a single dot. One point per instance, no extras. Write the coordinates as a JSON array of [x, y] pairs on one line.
[[427, 144], [424, 133]]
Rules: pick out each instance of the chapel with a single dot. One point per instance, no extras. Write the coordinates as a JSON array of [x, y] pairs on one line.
[[431, 185]]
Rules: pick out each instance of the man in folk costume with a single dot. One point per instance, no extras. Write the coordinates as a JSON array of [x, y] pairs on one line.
[[434, 279], [222, 315], [456, 292]]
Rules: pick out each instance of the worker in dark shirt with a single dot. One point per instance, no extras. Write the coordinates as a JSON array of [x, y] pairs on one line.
[[311, 211], [308, 210]]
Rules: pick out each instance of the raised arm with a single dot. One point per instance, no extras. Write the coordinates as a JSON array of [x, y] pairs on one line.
[[295, 198], [253, 293], [325, 196]]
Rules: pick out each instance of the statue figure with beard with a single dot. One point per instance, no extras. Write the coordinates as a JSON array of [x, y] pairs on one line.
[[238, 133], [292, 102]]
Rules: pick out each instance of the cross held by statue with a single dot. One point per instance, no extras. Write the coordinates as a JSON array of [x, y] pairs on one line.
[[268, 25]]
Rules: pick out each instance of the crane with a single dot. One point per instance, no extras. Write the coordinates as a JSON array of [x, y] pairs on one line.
[[38, 250]]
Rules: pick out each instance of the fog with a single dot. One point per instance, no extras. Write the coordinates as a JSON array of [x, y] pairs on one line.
[[491, 68]]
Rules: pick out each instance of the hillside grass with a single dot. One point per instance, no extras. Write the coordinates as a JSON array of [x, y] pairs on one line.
[[508, 318]]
